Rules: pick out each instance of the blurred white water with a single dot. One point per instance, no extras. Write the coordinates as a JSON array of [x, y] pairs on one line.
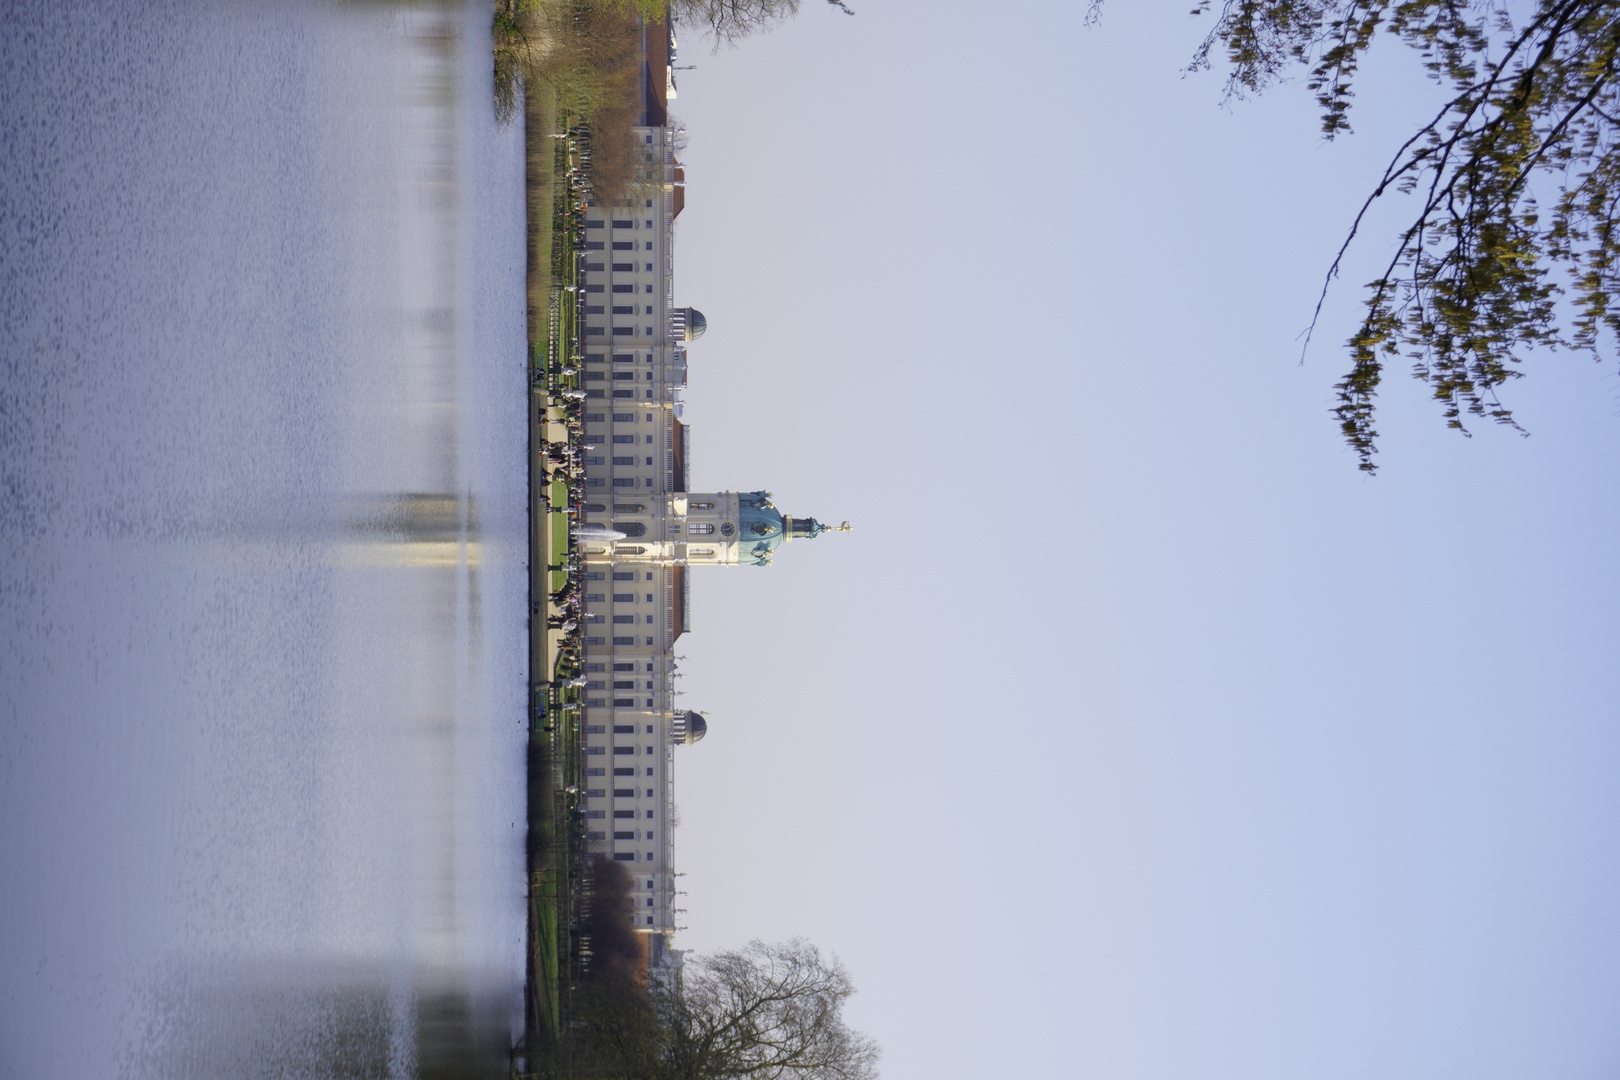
[[262, 584]]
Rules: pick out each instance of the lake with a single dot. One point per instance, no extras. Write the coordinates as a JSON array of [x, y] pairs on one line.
[[262, 432]]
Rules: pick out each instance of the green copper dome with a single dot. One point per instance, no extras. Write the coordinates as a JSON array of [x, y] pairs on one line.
[[764, 528]]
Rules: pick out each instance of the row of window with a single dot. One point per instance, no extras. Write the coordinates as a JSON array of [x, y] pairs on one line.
[[618, 331], [618, 267], [618, 223], [618, 793], [625, 287], [618, 640], [618, 418], [597, 770], [618, 702], [618, 309], [618, 814], [618, 482], [617, 245]]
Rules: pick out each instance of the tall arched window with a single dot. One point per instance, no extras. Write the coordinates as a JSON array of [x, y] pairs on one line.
[[700, 529], [631, 528]]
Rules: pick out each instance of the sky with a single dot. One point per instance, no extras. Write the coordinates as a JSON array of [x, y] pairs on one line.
[[1133, 733]]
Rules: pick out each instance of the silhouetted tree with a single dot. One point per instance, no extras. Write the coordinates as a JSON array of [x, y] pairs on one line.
[[763, 1011], [729, 21]]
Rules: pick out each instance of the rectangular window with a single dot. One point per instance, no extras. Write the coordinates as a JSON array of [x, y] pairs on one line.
[[602, 288], [624, 481], [618, 751], [597, 751], [624, 223], [594, 268], [624, 393], [594, 309], [596, 813], [593, 641], [597, 224], [593, 394], [595, 331], [621, 620], [649, 245], [624, 358], [621, 814], [624, 856], [595, 481], [593, 575], [618, 288], [596, 836], [623, 438], [618, 245], [624, 268], [624, 418], [593, 667], [625, 703], [596, 684], [597, 376], [624, 598], [594, 245], [625, 684], [700, 529], [649, 223], [618, 459], [648, 312], [624, 793], [622, 641], [593, 418], [592, 617], [624, 331], [595, 598], [624, 376], [624, 772], [594, 729], [624, 836], [649, 374], [597, 772], [596, 459], [649, 813], [623, 575], [622, 309]]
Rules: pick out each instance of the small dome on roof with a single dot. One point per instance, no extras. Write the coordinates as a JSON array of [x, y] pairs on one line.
[[689, 727], [696, 324]]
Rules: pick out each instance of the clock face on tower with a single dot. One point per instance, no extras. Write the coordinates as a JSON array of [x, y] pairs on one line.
[[728, 528]]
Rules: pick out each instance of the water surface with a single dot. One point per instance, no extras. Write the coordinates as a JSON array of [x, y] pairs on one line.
[[262, 583]]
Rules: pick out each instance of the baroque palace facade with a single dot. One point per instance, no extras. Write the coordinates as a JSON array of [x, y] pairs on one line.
[[641, 530]]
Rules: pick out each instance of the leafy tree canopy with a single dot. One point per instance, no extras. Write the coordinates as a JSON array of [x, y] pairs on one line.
[[1532, 107]]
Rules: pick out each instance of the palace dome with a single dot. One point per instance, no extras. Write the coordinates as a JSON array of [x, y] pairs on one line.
[[689, 727], [696, 324]]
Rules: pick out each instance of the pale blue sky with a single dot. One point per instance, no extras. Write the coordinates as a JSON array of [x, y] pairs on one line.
[[1134, 733]]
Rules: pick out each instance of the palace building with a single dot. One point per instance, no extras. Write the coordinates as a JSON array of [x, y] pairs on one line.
[[641, 531]]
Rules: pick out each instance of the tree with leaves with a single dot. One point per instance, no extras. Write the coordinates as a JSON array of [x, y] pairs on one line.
[[1516, 176]]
